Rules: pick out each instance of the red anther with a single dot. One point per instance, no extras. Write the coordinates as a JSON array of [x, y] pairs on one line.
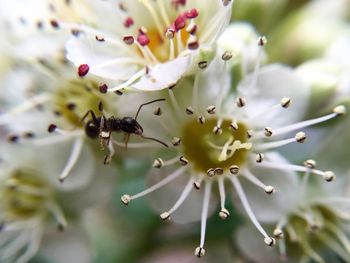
[[83, 70], [193, 13], [54, 24], [143, 39], [103, 88], [180, 22], [193, 45], [129, 40], [128, 22], [51, 128]]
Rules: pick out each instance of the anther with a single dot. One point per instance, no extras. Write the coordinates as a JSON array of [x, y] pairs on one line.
[[197, 185], [193, 13], [183, 161], [193, 44], [158, 163], [143, 40], [224, 214], [226, 2], [217, 130], [28, 135], [262, 41], [189, 110], [71, 106], [129, 40], [158, 111], [329, 176], [100, 38], [278, 233], [54, 24], [165, 216], [118, 92], [128, 22], [268, 131], [126, 199], [51, 128], [240, 102], [234, 169], [179, 23], [83, 69], [339, 110], [310, 164], [269, 241], [76, 32], [211, 109], [201, 119], [170, 33], [176, 141], [13, 138], [234, 126], [203, 64], [211, 172], [249, 134], [259, 158], [286, 102], [199, 252], [103, 88], [226, 56], [218, 171], [300, 137], [269, 189], [191, 29]]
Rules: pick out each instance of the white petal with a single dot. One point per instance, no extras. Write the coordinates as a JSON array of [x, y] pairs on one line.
[[105, 59], [70, 246], [270, 208], [273, 83], [253, 247], [163, 75]]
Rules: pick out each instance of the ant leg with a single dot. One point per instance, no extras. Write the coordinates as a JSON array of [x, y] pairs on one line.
[[126, 140], [92, 115], [108, 157], [101, 133], [144, 104]]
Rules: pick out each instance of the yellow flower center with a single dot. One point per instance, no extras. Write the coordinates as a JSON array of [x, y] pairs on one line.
[[205, 149]]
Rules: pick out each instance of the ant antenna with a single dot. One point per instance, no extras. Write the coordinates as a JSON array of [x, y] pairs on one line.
[[138, 111], [154, 139]]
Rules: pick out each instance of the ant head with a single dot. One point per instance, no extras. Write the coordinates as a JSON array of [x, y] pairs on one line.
[[92, 130], [130, 125]]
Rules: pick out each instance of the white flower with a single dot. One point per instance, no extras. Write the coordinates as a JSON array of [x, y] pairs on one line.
[[36, 103], [318, 222], [32, 201], [220, 136], [147, 45]]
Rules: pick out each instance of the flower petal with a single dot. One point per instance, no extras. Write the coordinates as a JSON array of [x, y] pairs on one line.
[[163, 75], [273, 83], [270, 208]]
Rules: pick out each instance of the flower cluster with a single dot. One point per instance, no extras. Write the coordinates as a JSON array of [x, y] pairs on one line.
[[93, 89]]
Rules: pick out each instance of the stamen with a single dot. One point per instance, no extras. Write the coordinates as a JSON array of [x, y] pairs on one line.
[[261, 42], [253, 179], [268, 240], [187, 190], [170, 34], [154, 16], [58, 215], [72, 160], [199, 252], [130, 81], [327, 175], [39, 191], [127, 198], [174, 102], [29, 104], [299, 137], [337, 112], [339, 235], [163, 12], [224, 213]]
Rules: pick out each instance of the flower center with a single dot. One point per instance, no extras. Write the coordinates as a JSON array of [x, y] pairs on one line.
[[74, 99], [25, 195], [207, 150]]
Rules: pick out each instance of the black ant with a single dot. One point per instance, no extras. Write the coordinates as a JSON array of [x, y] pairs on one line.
[[103, 127]]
